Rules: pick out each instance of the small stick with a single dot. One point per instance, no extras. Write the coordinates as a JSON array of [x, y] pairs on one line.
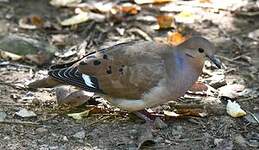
[[255, 118], [19, 122], [233, 61]]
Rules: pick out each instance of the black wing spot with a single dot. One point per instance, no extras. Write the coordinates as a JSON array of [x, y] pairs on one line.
[[105, 56], [97, 62], [121, 70], [109, 71], [201, 50]]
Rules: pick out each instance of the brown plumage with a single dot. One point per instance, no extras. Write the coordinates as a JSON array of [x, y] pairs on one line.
[[137, 75]]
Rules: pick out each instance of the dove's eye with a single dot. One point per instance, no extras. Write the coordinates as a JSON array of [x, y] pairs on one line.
[[201, 50]]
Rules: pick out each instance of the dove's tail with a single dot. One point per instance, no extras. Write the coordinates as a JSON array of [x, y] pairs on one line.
[[69, 74]]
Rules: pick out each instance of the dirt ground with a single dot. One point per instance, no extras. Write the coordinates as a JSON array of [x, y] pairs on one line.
[[52, 129]]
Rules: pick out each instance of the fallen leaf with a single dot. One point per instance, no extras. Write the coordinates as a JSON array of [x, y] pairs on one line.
[[67, 96], [9, 56], [254, 35], [197, 112], [86, 113], [185, 17], [80, 116], [234, 110], [205, 1], [199, 87], [83, 17], [103, 7], [17, 47], [175, 38], [31, 22], [231, 91], [216, 80], [129, 9], [171, 113], [165, 21], [152, 1], [25, 113], [59, 39], [59, 3]]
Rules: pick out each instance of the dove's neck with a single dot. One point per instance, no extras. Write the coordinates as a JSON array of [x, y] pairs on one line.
[[184, 71]]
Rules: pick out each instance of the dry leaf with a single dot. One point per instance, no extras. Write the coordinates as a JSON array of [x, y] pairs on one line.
[[199, 87], [185, 17], [231, 91], [197, 112], [130, 9], [152, 1], [175, 38], [79, 116], [86, 113], [83, 17], [171, 113], [165, 21], [9, 56], [26, 49], [205, 1], [31, 22], [59, 39], [180, 112], [25, 113], [67, 96], [59, 3], [234, 110]]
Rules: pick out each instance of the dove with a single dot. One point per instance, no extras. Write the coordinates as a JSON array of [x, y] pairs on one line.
[[138, 74]]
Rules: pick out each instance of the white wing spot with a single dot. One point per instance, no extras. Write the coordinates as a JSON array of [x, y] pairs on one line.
[[88, 81]]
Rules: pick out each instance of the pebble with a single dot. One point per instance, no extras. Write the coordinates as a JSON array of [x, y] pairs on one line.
[[65, 138], [240, 140], [79, 135], [25, 113], [218, 141], [2, 115], [41, 130], [159, 124]]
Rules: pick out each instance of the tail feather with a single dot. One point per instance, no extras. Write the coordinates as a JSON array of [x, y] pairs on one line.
[[72, 76]]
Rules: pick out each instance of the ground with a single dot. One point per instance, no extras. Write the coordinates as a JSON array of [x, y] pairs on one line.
[[51, 128]]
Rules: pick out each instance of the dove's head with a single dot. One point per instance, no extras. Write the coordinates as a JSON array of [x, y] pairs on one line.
[[199, 48]]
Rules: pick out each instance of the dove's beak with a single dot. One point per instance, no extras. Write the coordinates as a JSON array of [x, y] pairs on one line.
[[215, 60]]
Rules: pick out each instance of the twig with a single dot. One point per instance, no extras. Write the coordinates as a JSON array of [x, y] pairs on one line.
[[19, 122], [13, 104], [233, 61], [202, 5], [141, 33], [9, 84], [249, 98], [7, 63], [107, 117], [255, 118], [209, 108]]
